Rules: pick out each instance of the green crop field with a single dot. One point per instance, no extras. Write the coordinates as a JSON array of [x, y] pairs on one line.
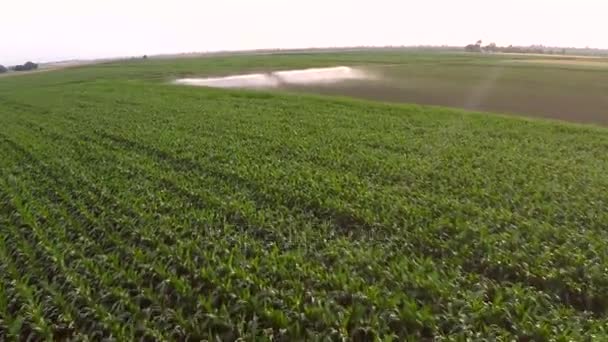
[[132, 208]]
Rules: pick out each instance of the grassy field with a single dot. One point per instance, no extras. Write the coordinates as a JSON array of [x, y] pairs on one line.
[[133, 208]]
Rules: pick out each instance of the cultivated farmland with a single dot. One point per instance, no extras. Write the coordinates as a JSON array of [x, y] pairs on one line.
[[134, 208]]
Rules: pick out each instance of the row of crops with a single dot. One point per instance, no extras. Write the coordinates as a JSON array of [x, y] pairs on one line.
[[132, 210]]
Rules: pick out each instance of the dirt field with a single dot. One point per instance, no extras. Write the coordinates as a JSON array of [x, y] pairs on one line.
[[602, 63], [558, 87], [571, 90]]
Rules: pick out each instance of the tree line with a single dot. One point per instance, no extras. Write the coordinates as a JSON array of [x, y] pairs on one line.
[[22, 67], [492, 47]]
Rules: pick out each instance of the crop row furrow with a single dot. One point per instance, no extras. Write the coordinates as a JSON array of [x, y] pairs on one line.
[[345, 222], [297, 203], [135, 209], [81, 248], [55, 269], [230, 177], [190, 270], [51, 314], [187, 293]]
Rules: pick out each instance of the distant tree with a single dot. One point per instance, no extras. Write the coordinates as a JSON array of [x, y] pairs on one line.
[[26, 67], [3, 69], [30, 66], [472, 48], [145, 56], [491, 47]]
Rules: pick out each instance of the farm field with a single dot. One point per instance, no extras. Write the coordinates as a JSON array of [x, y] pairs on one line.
[[565, 88], [133, 208]]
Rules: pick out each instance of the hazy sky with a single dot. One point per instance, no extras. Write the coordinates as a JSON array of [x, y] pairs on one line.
[[46, 30]]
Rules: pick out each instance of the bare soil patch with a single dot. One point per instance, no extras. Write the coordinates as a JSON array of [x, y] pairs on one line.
[[575, 62]]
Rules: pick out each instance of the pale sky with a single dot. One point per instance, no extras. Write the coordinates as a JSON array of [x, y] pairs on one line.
[[51, 30]]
